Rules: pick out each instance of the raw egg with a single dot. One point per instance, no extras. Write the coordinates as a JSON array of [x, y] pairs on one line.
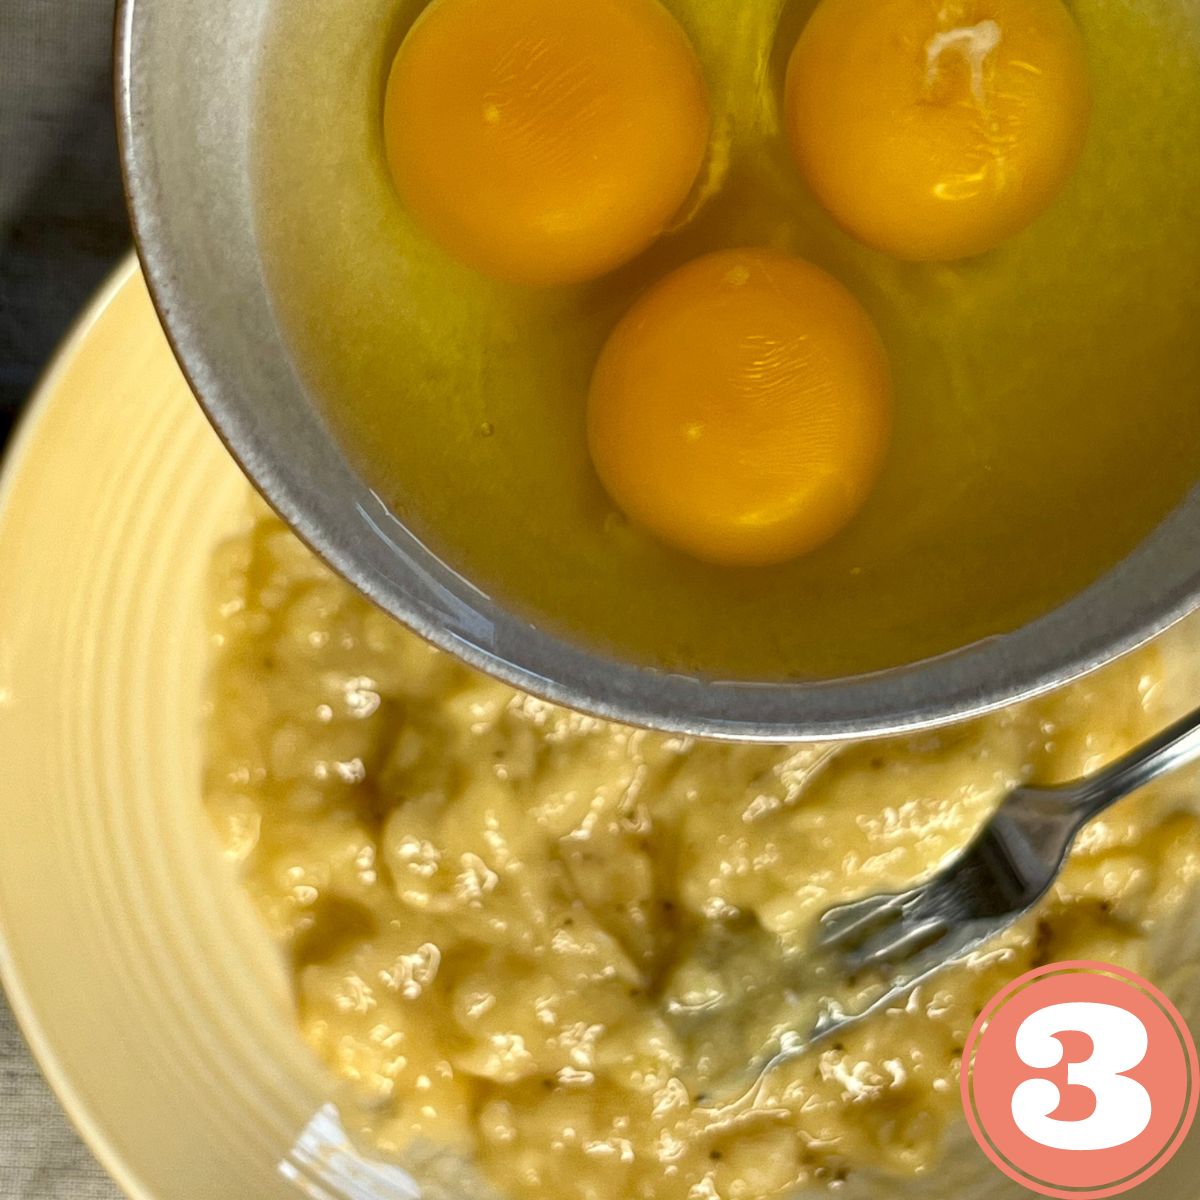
[[936, 129], [741, 410], [546, 141]]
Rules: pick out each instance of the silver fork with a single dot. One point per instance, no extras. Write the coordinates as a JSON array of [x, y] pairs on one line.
[[1002, 874]]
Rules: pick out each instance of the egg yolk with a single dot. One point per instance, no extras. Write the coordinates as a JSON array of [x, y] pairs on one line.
[[936, 129], [741, 410], [546, 141]]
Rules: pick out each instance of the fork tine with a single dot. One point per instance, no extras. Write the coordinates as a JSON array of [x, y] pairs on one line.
[[895, 942], [844, 924]]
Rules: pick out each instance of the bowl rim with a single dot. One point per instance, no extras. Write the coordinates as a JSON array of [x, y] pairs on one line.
[[1147, 592], [90, 1129]]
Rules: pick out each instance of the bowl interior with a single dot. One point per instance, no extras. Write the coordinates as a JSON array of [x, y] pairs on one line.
[[186, 90]]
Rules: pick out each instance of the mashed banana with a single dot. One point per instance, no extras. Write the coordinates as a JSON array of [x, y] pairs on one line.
[[556, 945]]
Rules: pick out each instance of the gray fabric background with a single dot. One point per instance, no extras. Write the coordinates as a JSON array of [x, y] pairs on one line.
[[62, 218], [40, 1156], [62, 227]]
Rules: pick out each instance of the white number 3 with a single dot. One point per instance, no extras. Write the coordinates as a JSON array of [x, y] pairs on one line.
[[1119, 1043]]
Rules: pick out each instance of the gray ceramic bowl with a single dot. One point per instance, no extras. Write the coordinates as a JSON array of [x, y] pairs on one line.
[[186, 72]]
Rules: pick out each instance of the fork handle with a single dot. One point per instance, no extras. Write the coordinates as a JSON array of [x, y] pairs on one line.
[[1174, 747]]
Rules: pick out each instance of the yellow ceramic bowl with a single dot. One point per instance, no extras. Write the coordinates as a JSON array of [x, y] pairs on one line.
[[152, 999]]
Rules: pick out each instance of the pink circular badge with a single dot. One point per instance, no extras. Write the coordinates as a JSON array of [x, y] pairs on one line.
[[1079, 1080]]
